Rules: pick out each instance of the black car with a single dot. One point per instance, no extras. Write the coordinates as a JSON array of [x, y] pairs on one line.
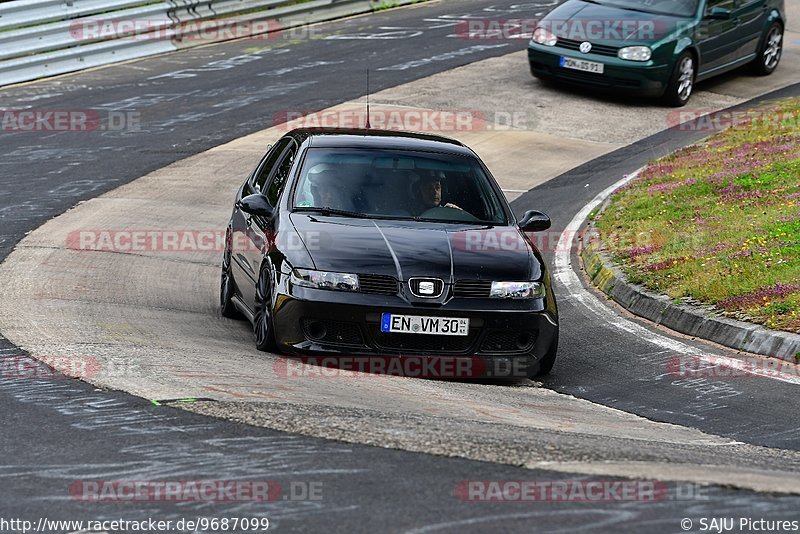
[[376, 243]]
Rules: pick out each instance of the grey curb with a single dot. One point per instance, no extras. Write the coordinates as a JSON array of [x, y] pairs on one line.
[[693, 320]]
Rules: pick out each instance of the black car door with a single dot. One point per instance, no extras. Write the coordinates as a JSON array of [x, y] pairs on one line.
[[752, 15], [717, 37], [261, 230], [243, 242]]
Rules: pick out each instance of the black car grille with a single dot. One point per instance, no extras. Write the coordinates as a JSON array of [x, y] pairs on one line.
[[438, 287], [602, 50], [423, 342], [332, 332], [507, 341], [377, 284], [472, 289]]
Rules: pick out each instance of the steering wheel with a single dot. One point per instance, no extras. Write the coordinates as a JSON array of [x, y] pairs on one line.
[[449, 214]]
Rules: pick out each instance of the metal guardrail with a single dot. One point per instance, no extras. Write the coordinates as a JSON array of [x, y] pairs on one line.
[[29, 12], [60, 35], [40, 38]]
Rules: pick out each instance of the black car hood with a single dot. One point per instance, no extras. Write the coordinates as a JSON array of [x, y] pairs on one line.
[[409, 249], [618, 24]]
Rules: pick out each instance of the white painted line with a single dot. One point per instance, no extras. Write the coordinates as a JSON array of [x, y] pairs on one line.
[[576, 292]]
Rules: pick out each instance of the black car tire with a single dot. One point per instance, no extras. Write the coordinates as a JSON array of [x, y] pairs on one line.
[[684, 72], [769, 51], [547, 362], [227, 287], [263, 331]]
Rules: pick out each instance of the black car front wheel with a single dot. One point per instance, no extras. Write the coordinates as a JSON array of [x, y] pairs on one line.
[[769, 51], [227, 287], [681, 83], [262, 323]]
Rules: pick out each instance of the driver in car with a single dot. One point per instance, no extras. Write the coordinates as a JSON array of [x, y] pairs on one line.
[[428, 193]]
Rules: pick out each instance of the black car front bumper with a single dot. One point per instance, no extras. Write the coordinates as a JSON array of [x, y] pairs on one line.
[[319, 322]]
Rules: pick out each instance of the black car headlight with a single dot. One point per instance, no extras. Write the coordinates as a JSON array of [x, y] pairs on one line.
[[324, 280], [517, 290], [635, 53]]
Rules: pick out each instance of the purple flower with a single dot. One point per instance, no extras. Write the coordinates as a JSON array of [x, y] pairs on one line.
[[756, 298]]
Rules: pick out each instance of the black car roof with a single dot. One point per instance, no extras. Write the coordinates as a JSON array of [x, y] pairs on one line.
[[351, 138]]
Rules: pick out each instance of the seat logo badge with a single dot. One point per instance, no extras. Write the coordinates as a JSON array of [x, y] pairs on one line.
[[586, 47], [426, 288]]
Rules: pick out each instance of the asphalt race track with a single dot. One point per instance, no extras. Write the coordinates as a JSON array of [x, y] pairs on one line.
[[609, 409]]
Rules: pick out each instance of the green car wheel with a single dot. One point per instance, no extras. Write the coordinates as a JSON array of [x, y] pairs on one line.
[[681, 85], [769, 51]]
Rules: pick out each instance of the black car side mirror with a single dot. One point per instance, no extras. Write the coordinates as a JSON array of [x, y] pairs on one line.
[[718, 13], [534, 221], [256, 204]]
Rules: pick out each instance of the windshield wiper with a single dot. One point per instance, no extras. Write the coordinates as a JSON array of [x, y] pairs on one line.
[[643, 11], [333, 211], [476, 222]]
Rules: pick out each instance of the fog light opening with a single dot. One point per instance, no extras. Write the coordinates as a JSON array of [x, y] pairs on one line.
[[316, 330], [524, 341]]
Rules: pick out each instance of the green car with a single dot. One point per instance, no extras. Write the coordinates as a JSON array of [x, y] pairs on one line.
[[657, 48]]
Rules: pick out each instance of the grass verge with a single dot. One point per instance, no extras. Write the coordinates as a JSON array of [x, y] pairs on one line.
[[719, 222]]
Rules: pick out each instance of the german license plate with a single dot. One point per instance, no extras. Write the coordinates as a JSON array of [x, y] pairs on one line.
[[580, 64], [414, 324]]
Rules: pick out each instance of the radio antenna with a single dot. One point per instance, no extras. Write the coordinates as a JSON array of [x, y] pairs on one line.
[[368, 126]]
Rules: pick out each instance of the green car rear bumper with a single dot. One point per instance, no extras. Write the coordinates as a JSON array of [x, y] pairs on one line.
[[646, 78]]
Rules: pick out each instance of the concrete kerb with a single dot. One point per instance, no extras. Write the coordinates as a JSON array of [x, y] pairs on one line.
[[696, 320]]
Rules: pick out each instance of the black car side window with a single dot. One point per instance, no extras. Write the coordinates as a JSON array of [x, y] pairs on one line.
[[726, 4], [267, 167], [284, 167]]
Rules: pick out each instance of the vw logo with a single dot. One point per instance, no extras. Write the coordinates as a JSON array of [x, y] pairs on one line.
[[586, 47]]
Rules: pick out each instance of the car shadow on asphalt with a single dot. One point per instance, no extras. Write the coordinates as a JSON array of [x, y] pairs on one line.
[[612, 96]]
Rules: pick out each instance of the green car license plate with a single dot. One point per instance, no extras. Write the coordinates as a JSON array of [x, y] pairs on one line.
[[582, 65]]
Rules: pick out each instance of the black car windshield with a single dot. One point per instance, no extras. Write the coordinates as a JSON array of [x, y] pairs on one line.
[[397, 184], [676, 8]]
